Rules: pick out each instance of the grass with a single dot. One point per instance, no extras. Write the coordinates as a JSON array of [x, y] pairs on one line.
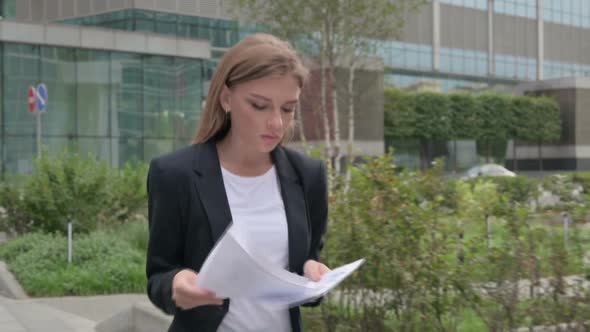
[[103, 262]]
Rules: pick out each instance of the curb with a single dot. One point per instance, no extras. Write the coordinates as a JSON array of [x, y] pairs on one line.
[[9, 286], [142, 317]]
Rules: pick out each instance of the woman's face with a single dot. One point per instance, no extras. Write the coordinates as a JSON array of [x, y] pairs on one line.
[[261, 110]]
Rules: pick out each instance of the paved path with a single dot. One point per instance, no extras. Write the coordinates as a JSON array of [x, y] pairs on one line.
[[64, 314]]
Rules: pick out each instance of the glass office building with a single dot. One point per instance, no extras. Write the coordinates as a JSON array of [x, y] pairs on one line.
[[119, 106], [135, 99]]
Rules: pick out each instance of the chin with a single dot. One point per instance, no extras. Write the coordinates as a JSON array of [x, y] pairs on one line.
[[267, 147]]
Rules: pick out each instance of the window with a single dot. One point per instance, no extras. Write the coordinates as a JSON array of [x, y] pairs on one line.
[[567, 12], [405, 55], [114, 105], [515, 67], [476, 4], [522, 8], [555, 69], [463, 61]]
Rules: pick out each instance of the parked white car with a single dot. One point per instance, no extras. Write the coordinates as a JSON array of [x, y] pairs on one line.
[[488, 170]]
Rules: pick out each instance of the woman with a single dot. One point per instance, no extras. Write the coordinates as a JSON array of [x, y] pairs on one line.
[[237, 171]]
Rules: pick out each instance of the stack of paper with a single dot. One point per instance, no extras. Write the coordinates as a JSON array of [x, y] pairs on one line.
[[231, 272]]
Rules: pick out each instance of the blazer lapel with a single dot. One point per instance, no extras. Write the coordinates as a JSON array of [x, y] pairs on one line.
[[295, 209], [209, 183]]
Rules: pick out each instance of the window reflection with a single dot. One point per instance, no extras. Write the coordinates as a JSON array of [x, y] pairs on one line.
[[113, 105], [463, 61], [522, 8], [515, 67], [556, 69], [221, 33], [567, 12], [476, 4]]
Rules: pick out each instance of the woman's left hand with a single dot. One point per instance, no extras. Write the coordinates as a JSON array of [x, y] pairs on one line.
[[314, 270]]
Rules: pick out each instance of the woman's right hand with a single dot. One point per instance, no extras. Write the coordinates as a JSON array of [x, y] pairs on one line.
[[186, 294]]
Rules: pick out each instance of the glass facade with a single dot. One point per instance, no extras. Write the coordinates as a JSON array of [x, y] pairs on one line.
[[405, 55], [567, 12], [221, 33], [522, 8], [554, 69], [515, 67], [461, 61], [117, 106], [476, 4], [8, 8], [425, 82]]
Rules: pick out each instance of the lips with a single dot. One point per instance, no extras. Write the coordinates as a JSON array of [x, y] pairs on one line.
[[270, 138]]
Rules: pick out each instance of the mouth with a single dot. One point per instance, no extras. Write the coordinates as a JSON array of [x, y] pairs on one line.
[[270, 138]]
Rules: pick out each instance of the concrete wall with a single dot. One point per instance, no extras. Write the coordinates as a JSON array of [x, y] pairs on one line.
[[55, 10], [103, 39], [583, 128], [572, 152], [460, 27], [463, 28]]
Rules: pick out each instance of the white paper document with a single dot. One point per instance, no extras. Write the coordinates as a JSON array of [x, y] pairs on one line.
[[231, 272]]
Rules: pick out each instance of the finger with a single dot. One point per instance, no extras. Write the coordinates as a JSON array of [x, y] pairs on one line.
[[315, 273], [324, 269], [196, 292]]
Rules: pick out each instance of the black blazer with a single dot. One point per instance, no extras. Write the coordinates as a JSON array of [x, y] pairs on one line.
[[188, 211]]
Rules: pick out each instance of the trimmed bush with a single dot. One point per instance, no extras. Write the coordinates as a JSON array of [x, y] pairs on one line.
[[103, 262]]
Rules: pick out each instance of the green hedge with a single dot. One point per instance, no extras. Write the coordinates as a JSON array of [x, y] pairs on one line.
[[490, 119], [104, 262]]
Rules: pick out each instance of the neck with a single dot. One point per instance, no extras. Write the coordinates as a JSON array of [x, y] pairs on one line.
[[241, 159]]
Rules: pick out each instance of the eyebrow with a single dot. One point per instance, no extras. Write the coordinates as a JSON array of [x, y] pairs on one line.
[[269, 100]]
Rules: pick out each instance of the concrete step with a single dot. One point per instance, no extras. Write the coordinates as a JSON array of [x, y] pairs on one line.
[[8, 322], [34, 317]]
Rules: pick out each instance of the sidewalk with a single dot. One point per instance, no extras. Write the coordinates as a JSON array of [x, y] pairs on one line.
[[66, 314]]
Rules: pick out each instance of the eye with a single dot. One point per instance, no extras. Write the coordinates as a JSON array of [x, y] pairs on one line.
[[288, 110], [258, 107]]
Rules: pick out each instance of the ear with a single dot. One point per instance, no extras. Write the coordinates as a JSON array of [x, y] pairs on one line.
[[224, 97]]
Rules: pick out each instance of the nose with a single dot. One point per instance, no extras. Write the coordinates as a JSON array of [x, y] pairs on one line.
[[275, 122]]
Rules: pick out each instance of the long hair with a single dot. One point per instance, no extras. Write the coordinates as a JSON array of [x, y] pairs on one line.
[[257, 56]]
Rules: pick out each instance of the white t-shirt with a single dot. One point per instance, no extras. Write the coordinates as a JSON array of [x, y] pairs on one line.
[[260, 223]]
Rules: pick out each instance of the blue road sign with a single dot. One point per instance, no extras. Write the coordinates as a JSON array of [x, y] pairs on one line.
[[41, 97]]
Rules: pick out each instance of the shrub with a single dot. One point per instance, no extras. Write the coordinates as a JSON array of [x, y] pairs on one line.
[[518, 190], [396, 222], [102, 263], [69, 187]]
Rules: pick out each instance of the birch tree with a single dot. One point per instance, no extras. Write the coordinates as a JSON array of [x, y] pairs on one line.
[[336, 33]]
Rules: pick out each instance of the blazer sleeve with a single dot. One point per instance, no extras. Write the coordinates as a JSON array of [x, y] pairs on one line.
[[164, 254], [318, 211]]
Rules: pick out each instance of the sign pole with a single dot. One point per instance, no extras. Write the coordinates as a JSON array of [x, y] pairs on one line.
[[41, 99], [69, 242], [38, 116]]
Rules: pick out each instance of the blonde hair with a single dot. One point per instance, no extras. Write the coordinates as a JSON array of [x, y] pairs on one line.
[[257, 56]]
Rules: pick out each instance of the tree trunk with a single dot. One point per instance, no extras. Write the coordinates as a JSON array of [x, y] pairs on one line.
[[488, 231], [514, 163], [488, 152], [336, 153], [299, 116], [337, 144], [349, 150], [540, 156], [455, 155], [424, 154], [327, 141]]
